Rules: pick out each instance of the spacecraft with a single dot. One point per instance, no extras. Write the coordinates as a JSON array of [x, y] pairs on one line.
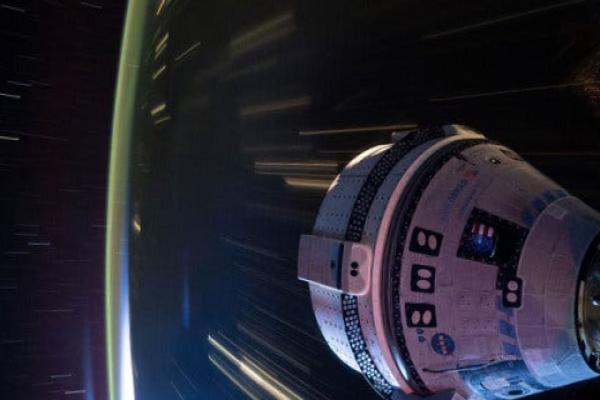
[[443, 265]]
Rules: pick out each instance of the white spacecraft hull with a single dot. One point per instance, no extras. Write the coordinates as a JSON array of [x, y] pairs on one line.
[[445, 263]]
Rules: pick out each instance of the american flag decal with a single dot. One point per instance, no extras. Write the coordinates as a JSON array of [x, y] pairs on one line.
[[482, 229], [482, 241]]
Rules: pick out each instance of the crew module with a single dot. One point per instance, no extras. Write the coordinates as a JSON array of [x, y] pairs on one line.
[[443, 265]]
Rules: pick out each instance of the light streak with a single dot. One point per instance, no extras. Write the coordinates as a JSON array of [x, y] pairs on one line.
[[160, 7], [77, 391], [188, 51], [10, 138], [19, 83], [91, 5], [296, 165], [279, 105], [500, 19], [176, 390], [10, 96], [512, 91], [161, 120], [161, 46], [158, 108], [12, 8], [232, 378], [306, 183], [267, 32], [158, 72], [357, 129], [258, 375]]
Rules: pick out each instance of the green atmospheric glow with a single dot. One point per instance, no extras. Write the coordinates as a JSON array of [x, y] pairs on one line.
[[123, 115]]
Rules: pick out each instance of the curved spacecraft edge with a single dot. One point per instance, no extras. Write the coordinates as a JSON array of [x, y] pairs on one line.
[[445, 266]]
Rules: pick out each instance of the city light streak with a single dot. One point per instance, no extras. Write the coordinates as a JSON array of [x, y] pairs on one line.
[[258, 375]]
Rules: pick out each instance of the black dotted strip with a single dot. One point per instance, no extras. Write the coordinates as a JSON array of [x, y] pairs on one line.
[[359, 348], [354, 233], [404, 213], [384, 166]]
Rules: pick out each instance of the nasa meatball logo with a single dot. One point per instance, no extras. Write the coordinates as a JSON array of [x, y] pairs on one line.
[[442, 344]]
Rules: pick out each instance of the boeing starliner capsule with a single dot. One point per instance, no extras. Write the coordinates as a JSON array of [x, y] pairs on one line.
[[443, 265]]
